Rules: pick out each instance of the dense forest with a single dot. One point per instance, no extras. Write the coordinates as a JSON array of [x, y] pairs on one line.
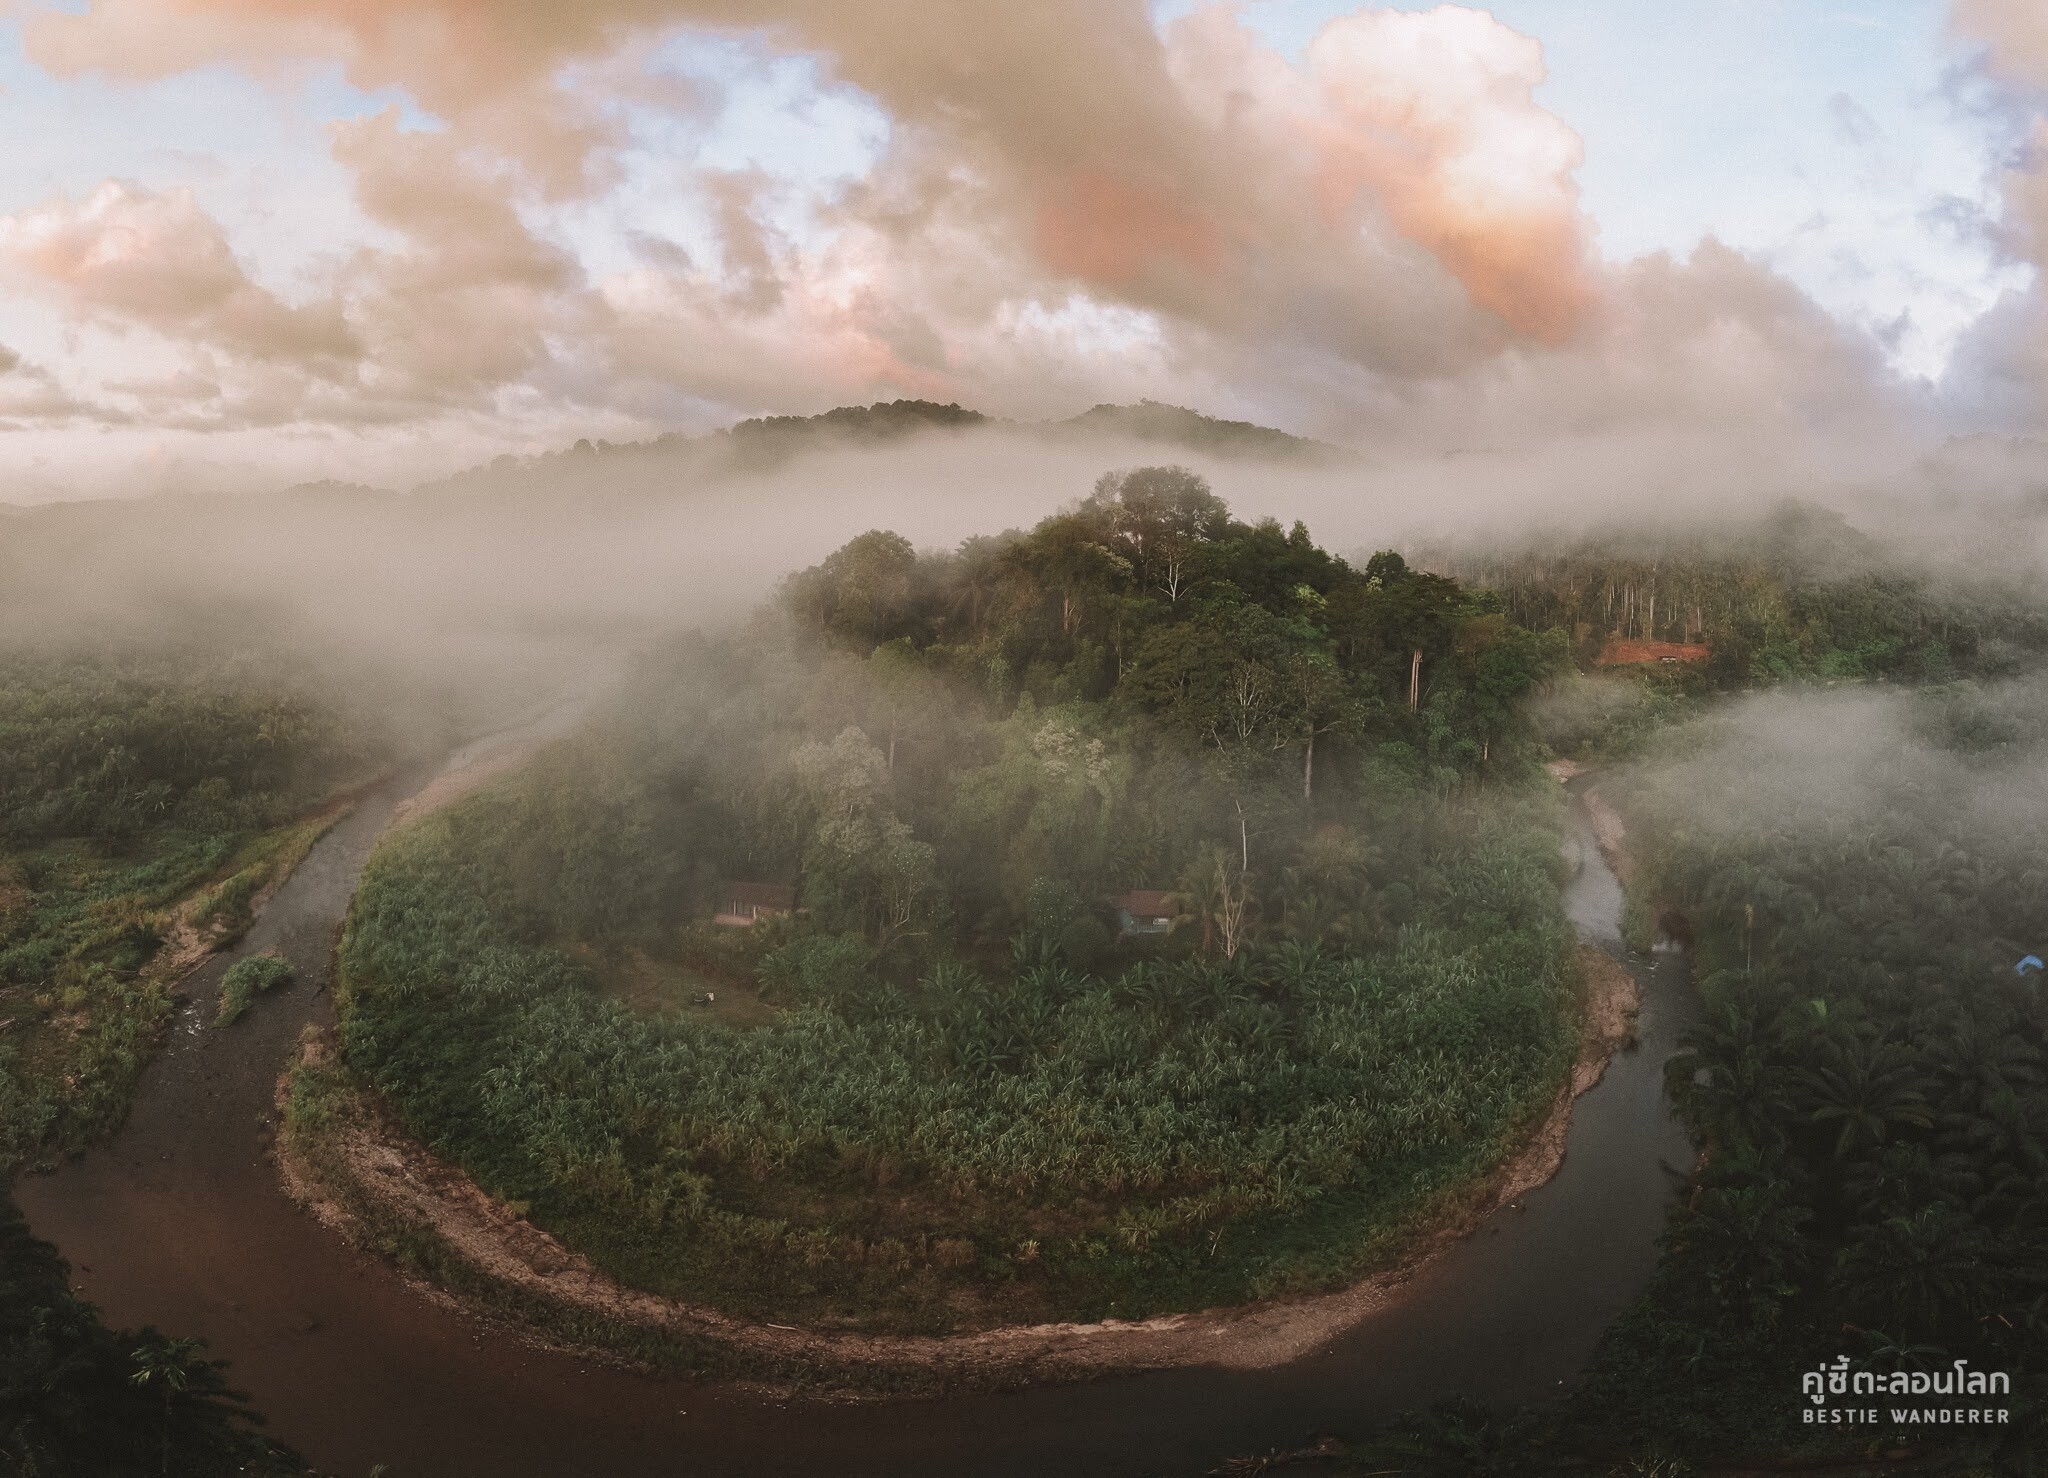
[[1801, 594], [1859, 877], [948, 1079], [1863, 876], [954, 1086]]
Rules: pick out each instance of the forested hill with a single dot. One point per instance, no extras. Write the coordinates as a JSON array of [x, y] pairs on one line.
[[1027, 914], [1246, 639], [763, 443]]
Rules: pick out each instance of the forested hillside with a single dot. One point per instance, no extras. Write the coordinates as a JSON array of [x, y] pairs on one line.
[[955, 1086], [1801, 594], [769, 441]]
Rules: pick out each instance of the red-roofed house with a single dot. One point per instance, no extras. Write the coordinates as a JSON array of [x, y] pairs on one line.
[[1144, 911]]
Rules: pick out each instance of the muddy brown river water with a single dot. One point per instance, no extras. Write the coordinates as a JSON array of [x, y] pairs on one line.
[[180, 1222]]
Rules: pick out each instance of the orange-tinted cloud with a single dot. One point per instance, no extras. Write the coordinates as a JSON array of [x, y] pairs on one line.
[[2015, 30], [1436, 114], [1111, 232], [1072, 206], [2015, 36], [1071, 114]]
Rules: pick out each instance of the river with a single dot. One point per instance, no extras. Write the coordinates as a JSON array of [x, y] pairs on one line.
[[180, 1222]]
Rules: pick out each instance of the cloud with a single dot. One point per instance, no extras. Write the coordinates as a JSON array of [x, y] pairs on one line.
[[132, 256], [1381, 240], [467, 303], [31, 396], [2016, 32], [2015, 37], [1123, 161], [1853, 124], [1436, 113], [1999, 374]]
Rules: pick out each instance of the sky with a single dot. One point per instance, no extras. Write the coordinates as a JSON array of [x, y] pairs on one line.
[[251, 242]]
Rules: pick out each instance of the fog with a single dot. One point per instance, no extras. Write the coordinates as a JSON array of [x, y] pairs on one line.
[[1818, 760], [522, 574]]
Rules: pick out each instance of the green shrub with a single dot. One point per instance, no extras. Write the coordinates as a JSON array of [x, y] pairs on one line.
[[248, 976]]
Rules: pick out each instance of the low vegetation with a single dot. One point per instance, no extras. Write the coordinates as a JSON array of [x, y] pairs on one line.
[[146, 797], [244, 979]]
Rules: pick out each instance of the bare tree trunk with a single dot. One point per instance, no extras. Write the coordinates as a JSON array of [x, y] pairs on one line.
[[1415, 681], [1308, 771]]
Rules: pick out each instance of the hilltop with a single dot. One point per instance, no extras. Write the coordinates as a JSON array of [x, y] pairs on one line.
[[763, 443]]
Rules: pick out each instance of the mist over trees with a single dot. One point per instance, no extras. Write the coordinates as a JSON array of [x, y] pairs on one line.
[[995, 1100], [957, 761], [145, 792], [1798, 594]]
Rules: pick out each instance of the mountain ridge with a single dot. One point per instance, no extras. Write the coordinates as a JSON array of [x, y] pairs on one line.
[[761, 443]]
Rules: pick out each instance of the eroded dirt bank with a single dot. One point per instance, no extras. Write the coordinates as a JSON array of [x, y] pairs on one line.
[[182, 1223], [365, 1163]]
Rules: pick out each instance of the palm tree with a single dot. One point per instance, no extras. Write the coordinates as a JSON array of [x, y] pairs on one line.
[[1865, 1090], [1931, 1268], [1730, 1073], [169, 1365]]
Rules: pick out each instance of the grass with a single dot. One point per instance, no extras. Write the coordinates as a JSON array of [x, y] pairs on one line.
[[663, 988], [238, 988], [87, 977]]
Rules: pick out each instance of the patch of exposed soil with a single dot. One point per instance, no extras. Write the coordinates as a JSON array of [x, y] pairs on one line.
[[1609, 832], [656, 987], [450, 786]]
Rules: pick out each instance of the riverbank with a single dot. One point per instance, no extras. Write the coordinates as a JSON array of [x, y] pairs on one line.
[[79, 1049], [181, 1222], [343, 1157]]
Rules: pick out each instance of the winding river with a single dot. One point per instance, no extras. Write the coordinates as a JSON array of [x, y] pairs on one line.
[[180, 1222]]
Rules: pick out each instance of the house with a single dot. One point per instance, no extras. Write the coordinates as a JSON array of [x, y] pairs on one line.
[[1143, 911], [742, 905]]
